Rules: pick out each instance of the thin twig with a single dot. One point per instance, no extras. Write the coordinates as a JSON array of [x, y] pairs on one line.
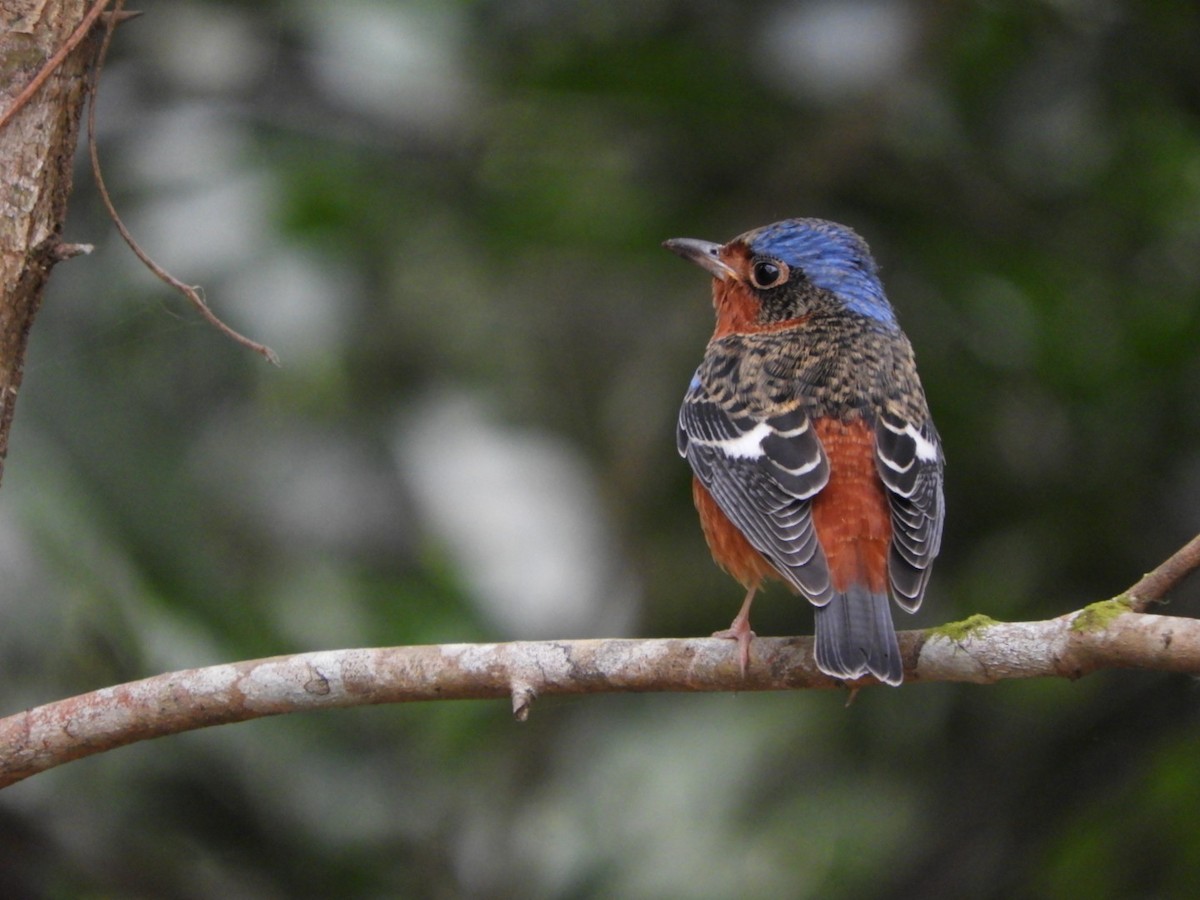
[[1155, 585], [80, 32], [191, 292]]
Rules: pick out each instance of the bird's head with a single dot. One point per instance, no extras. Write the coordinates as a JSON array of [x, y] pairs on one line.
[[779, 275]]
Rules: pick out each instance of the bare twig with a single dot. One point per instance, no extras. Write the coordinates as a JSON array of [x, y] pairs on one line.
[[80, 32], [1155, 585], [1069, 646], [191, 292]]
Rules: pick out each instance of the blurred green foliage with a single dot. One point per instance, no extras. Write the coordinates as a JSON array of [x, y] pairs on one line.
[[445, 218]]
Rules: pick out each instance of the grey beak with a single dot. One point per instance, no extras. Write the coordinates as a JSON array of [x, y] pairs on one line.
[[705, 254]]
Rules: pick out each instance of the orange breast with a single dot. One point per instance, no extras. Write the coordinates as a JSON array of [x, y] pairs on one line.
[[731, 551], [851, 515]]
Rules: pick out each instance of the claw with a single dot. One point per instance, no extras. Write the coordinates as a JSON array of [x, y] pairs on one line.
[[739, 630]]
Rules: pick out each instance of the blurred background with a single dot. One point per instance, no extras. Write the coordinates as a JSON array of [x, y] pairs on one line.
[[446, 218]]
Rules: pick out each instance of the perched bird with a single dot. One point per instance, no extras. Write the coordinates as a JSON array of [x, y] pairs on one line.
[[813, 455]]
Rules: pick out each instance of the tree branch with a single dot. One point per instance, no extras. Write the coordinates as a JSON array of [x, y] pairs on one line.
[[1103, 636], [1154, 586]]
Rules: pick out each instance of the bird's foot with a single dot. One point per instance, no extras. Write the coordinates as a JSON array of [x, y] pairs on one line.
[[739, 631]]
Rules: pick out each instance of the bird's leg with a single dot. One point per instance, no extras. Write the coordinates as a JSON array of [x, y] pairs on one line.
[[739, 630]]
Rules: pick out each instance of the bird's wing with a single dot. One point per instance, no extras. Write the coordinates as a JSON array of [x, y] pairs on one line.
[[909, 460], [763, 473]]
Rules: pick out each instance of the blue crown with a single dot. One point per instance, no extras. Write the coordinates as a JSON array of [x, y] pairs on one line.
[[832, 257]]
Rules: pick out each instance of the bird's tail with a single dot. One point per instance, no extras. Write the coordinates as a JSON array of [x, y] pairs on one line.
[[855, 636]]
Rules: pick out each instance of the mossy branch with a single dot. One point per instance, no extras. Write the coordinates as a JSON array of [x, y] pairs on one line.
[[985, 652]]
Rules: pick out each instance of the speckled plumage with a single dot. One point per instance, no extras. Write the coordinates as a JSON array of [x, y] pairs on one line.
[[809, 436], [833, 364]]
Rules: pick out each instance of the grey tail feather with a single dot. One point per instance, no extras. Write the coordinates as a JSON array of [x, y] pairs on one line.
[[855, 636]]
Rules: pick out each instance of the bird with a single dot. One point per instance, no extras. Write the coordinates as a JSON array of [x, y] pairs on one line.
[[814, 458]]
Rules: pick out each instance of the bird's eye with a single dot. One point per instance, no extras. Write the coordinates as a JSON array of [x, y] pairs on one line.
[[768, 273]]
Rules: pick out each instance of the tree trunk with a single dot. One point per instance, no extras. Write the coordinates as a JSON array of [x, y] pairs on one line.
[[37, 146]]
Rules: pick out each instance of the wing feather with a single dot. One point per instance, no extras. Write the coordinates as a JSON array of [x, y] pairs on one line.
[[909, 461], [763, 472]]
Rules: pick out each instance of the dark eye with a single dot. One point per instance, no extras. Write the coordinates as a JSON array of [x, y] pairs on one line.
[[768, 273]]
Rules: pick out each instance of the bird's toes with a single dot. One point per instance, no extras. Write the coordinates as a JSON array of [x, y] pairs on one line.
[[744, 637]]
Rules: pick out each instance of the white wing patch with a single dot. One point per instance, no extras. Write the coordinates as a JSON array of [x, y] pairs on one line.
[[927, 450], [748, 445], [744, 446]]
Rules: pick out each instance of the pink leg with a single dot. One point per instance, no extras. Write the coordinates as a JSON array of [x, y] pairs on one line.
[[739, 630]]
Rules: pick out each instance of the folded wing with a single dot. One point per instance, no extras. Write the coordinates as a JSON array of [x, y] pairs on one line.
[[763, 473], [909, 461]]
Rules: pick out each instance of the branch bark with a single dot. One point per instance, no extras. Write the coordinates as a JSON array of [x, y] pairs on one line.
[[979, 651], [37, 145], [1154, 586]]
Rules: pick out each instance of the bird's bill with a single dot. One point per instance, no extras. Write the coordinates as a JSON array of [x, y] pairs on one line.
[[705, 254]]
